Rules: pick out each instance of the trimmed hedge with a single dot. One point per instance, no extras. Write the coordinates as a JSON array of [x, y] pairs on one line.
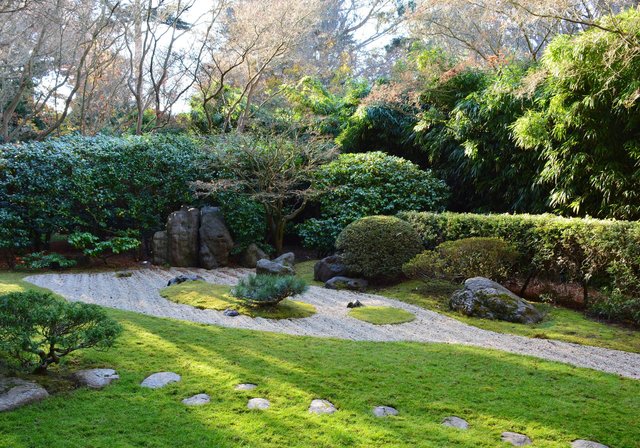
[[604, 253], [376, 247]]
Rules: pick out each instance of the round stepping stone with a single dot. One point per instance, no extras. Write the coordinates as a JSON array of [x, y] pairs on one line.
[[15, 393], [516, 439], [160, 379], [197, 400], [245, 386], [587, 444], [384, 411], [96, 378], [455, 422], [322, 407], [258, 403]]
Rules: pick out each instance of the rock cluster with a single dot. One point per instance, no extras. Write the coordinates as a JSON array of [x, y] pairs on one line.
[[335, 275], [283, 265], [193, 238], [487, 299]]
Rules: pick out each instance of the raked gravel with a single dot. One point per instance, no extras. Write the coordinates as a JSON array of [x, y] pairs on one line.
[[140, 293]]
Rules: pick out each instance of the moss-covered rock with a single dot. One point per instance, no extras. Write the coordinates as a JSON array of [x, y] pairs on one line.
[[487, 299]]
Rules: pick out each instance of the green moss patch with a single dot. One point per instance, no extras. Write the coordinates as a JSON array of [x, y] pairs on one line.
[[205, 295], [382, 315]]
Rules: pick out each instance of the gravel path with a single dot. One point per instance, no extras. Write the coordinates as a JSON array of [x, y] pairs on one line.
[[139, 293]]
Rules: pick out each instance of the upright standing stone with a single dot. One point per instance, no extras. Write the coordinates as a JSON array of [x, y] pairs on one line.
[[215, 239], [160, 248], [182, 230]]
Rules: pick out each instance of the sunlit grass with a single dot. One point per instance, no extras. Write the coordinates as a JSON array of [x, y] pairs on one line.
[[495, 391], [205, 295]]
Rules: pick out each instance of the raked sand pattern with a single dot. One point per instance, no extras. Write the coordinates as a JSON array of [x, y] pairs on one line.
[[140, 293]]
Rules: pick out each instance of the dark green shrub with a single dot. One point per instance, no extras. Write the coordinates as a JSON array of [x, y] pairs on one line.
[[617, 307], [37, 329], [245, 219], [376, 247], [95, 184], [13, 236], [374, 183], [461, 259], [589, 251], [268, 290], [42, 260], [92, 246]]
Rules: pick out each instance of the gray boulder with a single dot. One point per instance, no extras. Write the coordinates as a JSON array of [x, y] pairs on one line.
[[197, 400], [184, 278], [487, 299], [288, 259], [15, 393], [352, 284], [96, 378], [160, 379], [160, 248], [384, 411], [259, 404], [251, 255], [215, 239], [455, 422], [587, 444], [322, 407], [273, 268], [329, 267], [516, 439], [183, 231]]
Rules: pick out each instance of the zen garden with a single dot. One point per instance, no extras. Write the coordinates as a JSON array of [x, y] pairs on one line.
[[319, 223]]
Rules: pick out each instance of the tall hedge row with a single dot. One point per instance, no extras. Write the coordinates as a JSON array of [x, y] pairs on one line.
[[97, 184], [603, 253]]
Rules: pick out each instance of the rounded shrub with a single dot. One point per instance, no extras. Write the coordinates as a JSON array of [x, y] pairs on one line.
[[373, 183], [376, 247], [493, 258]]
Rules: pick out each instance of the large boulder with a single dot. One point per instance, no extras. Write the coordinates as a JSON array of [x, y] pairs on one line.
[[215, 239], [487, 299], [160, 248], [273, 268], [330, 267], [288, 259], [351, 284], [251, 255], [15, 393], [182, 231], [96, 378]]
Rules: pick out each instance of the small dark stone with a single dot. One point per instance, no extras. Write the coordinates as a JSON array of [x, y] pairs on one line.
[[231, 313], [352, 284], [184, 278], [356, 304]]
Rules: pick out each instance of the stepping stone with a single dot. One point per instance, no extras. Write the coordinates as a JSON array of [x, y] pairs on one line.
[[96, 378], [197, 400], [587, 444], [245, 386], [231, 313], [258, 403], [15, 393], [384, 411], [516, 439], [322, 407], [455, 422], [160, 379]]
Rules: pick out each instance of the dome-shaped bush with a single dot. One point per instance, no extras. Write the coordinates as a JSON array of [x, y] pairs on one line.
[[376, 247]]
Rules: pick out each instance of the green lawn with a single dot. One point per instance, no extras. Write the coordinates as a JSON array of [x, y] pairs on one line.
[[551, 402], [561, 323], [382, 315], [205, 295]]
